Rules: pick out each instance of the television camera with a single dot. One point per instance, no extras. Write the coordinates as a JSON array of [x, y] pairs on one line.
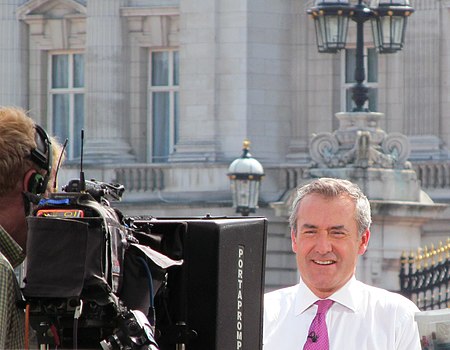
[[98, 279]]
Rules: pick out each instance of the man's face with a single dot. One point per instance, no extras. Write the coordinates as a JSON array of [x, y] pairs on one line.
[[327, 243], [12, 215]]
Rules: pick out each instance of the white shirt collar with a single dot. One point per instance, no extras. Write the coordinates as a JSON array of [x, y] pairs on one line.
[[347, 296]]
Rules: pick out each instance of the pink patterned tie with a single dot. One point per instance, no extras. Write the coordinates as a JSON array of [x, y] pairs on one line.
[[318, 333]]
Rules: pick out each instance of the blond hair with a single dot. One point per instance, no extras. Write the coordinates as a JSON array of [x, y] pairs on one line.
[[17, 139]]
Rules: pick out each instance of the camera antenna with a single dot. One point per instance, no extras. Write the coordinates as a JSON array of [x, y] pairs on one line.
[[55, 180], [82, 179]]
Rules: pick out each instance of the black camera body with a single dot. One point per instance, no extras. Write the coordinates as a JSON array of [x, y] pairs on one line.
[[76, 250], [97, 279]]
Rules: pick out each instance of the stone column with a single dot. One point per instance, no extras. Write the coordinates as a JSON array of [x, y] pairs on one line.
[[13, 57], [106, 124], [423, 73], [312, 82], [445, 72], [198, 100]]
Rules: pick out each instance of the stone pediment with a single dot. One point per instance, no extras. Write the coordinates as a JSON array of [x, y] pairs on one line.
[[55, 24], [51, 8]]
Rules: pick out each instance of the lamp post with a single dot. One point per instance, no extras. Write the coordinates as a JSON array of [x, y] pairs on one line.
[[359, 149], [388, 19], [245, 175]]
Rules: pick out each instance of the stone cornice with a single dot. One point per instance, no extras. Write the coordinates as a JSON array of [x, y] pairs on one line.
[[150, 11]]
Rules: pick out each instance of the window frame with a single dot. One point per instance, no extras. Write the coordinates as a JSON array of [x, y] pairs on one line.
[[70, 90], [173, 90]]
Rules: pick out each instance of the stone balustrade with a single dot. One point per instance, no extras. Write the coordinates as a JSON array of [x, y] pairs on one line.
[[141, 178], [433, 174]]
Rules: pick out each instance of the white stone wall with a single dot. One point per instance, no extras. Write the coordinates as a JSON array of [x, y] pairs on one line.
[[248, 69], [13, 57]]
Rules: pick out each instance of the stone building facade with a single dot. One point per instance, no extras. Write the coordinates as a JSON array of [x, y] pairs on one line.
[[167, 90]]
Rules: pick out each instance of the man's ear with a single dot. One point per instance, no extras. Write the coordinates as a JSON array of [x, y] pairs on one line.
[[294, 240], [33, 182], [26, 179], [364, 242]]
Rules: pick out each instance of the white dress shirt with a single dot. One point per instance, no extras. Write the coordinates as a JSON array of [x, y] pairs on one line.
[[362, 318]]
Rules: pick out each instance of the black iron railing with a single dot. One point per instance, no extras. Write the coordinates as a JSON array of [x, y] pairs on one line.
[[425, 277]]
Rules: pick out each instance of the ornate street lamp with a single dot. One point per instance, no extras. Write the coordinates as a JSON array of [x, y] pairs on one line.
[[389, 25], [331, 22], [388, 19], [245, 175]]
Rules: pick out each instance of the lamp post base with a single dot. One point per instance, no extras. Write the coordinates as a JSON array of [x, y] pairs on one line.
[[359, 142]]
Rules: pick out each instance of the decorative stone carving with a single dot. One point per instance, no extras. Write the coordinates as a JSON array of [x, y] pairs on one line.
[[397, 145], [323, 148], [360, 143]]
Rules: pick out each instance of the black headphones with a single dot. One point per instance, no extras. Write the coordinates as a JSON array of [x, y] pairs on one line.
[[42, 157]]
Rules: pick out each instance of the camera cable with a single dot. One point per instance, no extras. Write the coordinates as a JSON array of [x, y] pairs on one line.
[[76, 316], [151, 313]]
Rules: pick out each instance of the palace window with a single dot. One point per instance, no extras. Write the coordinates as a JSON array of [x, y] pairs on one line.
[[163, 96], [67, 99]]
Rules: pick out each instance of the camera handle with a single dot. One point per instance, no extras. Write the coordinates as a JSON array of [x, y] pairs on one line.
[[135, 332], [183, 335]]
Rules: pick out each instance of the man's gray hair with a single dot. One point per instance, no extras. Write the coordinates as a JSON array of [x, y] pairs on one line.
[[329, 187]]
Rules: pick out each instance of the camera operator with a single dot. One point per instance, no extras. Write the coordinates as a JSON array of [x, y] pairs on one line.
[[27, 155]]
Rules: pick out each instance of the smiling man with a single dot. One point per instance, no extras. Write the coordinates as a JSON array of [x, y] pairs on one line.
[[329, 309]]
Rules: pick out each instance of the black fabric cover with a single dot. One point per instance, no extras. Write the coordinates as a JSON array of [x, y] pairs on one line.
[[136, 291], [63, 256]]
